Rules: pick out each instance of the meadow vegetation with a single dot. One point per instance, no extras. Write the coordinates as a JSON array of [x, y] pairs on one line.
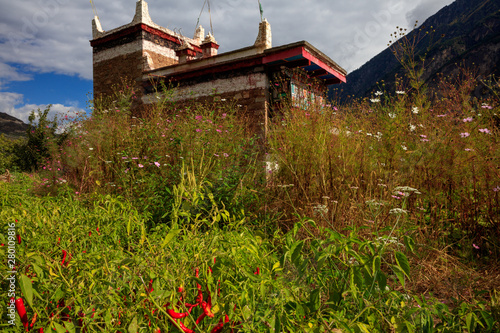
[[379, 215]]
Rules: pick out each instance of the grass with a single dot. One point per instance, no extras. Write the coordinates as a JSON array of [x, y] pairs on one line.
[[379, 215]]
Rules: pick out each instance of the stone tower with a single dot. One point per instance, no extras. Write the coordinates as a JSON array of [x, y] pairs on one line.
[[126, 52]]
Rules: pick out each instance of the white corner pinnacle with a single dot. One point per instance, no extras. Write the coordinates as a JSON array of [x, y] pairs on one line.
[[142, 13], [96, 28], [199, 33], [264, 39]]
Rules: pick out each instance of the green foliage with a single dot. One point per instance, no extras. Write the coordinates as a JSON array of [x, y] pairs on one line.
[[40, 144], [117, 275], [6, 157]]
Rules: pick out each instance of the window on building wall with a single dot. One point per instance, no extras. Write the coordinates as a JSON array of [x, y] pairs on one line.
[[303, 96]]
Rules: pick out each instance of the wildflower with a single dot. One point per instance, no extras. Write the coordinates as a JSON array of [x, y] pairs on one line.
[[423, 136], [468, 149], [392, 115], [216, 155], [441, 115], [404, 147], [467, 120], [91, 148], [157, 164], [239, 105], [218, 130], [415, 110], [224, 115], [406, 190], [223, 99], [496, 189], [198, 130], [485, 130], [398, 211], [412, 127], [135, 158], [464, 135], [375, 100], [475, 246], [198, 117], [400, 92], [378, 93], [140, 165], [486, 106], [225, 155]]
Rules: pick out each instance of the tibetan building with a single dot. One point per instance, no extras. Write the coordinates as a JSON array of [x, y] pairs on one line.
[[257, 77]]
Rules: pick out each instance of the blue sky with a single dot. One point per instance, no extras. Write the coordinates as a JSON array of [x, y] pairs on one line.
[[46, 58]]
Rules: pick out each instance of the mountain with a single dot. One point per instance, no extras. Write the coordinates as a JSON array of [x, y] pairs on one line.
[[465, 33], [12, 127]]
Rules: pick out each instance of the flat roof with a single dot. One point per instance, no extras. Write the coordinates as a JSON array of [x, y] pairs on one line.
[[299, 54]]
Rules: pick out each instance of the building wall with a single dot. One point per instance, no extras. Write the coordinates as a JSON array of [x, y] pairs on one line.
[[127, 57], [247, 90]]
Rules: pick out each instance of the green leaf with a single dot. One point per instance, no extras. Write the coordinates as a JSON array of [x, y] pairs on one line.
[[277, 323], [315, 300], [59, 328], [296, 249], [247, 313], [403, 263], [376, 265], [409, 243], [276, 266], [38, 270], [26, 289], [382, 281], [399, 273], [356, 278], [70, 327], [363, 327], [469, 319], [170, 236], [133, 327]]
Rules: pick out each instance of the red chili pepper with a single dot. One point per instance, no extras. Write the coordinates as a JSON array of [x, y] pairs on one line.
[[18, 239], [150, 288], [200, 318], [184, 328], [64, 257], [177, 315], [207, 309], [33, 320], [22, 311]]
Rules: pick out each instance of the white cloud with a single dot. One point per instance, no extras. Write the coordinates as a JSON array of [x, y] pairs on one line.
[[53, 35], [12, 104], [9, 74]]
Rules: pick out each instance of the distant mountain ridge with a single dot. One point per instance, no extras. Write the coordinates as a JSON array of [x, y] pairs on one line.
[[11, 126], [466, 33]]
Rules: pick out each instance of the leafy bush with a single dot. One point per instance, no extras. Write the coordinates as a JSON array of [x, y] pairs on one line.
[[41, 143]]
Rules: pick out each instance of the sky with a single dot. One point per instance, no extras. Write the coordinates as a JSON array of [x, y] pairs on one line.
[[46, 58]]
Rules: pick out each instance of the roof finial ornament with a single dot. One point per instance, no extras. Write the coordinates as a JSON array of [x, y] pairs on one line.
[[142, 13], [261, 12]]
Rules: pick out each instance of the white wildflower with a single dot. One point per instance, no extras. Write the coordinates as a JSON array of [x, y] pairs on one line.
[[415, 110], [375, 100], [412, 127], [398, 211], [400, 92], [378, 93], [392, 115]]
